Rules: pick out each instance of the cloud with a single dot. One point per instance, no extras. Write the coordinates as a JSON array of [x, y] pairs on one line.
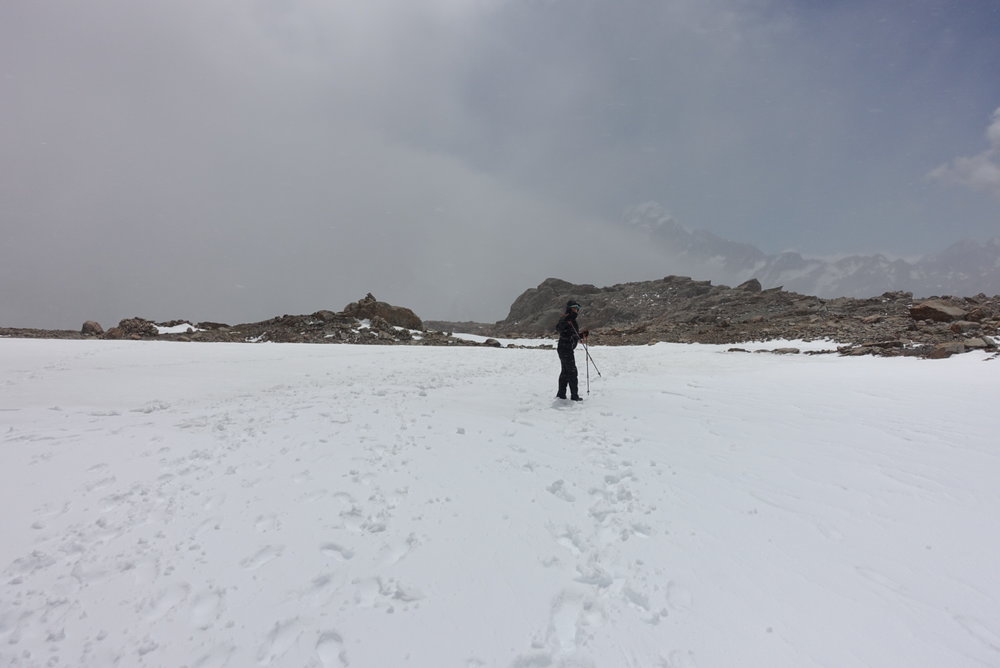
[[978, 172], [238, 158], [445, 155]]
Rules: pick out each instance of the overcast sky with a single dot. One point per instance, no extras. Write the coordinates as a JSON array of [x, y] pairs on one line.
[[235, 160]]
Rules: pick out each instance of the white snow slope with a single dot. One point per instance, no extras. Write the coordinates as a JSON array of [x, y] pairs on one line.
[[170, 504]]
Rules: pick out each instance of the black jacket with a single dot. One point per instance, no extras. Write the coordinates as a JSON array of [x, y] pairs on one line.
[[569, 334]]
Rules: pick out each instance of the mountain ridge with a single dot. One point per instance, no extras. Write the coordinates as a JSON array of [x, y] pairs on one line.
[[682, 310], [672, 309], [966, 267]]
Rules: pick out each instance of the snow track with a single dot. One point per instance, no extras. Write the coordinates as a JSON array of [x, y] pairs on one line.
[[327, 506]]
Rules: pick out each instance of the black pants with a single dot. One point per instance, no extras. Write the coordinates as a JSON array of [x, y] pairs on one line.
[[567, 375]]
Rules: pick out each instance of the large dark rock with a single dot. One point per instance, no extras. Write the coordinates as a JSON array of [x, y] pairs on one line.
[[91, 328], [937, 311], [370, 308]]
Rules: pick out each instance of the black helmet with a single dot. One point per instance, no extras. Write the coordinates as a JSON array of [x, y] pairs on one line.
[[572, 304]]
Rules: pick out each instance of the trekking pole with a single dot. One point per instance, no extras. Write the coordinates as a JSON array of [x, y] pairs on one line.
[[591, 359]]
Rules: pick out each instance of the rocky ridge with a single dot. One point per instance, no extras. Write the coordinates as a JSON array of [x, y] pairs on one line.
[[366, 321], [679, 309], [673, 309]]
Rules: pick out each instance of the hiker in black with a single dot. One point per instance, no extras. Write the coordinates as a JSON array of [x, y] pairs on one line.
[[569, 336]]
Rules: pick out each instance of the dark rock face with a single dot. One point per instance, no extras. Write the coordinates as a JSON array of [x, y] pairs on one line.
[[538, 309]]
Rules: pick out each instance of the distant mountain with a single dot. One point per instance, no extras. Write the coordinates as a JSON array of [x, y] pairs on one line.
[[966, 268]]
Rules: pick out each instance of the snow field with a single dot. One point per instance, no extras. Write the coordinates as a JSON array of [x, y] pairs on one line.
[[170, 504]]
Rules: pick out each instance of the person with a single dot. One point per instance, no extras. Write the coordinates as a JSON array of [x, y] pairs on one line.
[[569, 336]]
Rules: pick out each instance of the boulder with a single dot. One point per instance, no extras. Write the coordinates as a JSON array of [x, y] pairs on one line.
[[753, 285], [960, 326], [945, 350], [370, 308], [937, 311], [91, 328]]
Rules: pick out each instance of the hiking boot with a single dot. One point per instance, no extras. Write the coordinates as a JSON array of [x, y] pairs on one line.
[[576, 398], [560, 396]]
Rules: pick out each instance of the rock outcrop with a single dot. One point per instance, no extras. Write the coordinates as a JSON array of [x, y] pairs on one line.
[[367, 321], [680, 309], [370, 308], [132, 328]]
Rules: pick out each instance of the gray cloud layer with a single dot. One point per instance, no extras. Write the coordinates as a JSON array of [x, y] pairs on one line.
[[238, 160]]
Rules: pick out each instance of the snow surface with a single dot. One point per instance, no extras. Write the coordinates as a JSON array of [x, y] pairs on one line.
[[505, 342], [205, 505], [183, 328]]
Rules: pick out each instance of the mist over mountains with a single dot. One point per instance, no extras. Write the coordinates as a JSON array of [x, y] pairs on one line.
[[965, 268]]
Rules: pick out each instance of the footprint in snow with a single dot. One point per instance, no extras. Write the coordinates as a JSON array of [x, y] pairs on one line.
[[393, 553], [265, 523], [558, 489], [215, 501], [261, 557], [681, 659], [165, 601], [572, 619], [571, 539], [379, 593], [206, 608], [335, 550], [101, 483], [330, 650], [319, 591], [281, 638], [638, 599], [210, 524], [563, 625], [217, 658]]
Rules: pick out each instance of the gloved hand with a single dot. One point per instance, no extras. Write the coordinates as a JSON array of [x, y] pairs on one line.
[[584, 334]]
